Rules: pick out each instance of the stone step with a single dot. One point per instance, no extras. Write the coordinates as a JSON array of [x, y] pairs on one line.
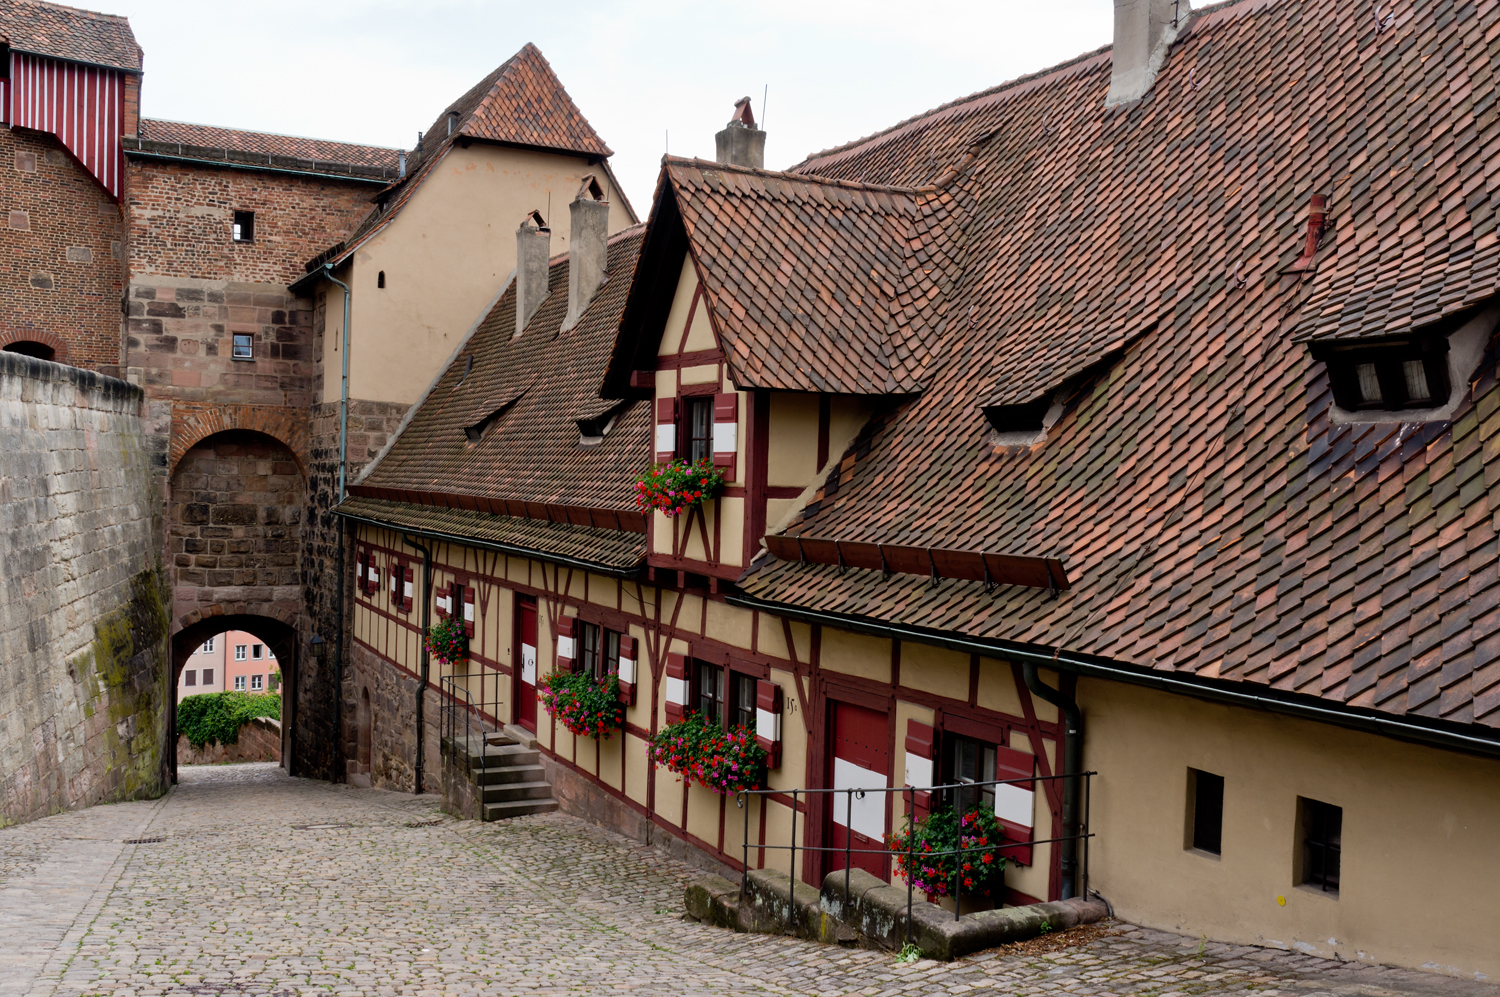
[[508, 756], [507, 792], [500, 774], [518, 808]]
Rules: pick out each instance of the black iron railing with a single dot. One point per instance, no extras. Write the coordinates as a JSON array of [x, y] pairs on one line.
[[461, 718], [939, 795]]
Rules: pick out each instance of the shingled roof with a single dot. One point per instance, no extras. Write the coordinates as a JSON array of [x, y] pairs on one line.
[[527, 396], [69, 33], [1213, 518], [158, 131]]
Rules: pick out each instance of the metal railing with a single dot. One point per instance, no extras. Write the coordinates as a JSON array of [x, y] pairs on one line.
[[459, 712], [940, 795]]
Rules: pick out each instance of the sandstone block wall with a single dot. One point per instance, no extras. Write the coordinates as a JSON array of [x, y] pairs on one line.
[[259, 741], [84, 689], [61, 237]]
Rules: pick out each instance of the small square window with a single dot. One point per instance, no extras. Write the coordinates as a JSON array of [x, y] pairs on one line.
[[208, 646], [240, 652], [1322, 827], [208, 676], [190, 677], [257, 651], [1205, 811], [244, 226], [239, 683], [257, 682], [244, 346]]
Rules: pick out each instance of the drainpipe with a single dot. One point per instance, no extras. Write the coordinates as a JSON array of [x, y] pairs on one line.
[[338, 640], [1071, 768], [426, 623]]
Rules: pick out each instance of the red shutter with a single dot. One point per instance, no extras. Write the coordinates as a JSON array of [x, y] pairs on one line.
[[919, 764], [1014, 809], [408, 590], [567, 651], [468, 609], [395, 575], [726, 433], [361, 558], [666, 429], [442, 594], [768, 720], [628, 668], [677, 687]]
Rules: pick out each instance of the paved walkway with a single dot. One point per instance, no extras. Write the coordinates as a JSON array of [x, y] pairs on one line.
[[264, 884]]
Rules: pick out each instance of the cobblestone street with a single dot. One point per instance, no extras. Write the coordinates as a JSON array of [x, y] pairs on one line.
[[262, 884]]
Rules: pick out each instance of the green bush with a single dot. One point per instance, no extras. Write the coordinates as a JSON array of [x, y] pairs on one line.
[[216, 717]]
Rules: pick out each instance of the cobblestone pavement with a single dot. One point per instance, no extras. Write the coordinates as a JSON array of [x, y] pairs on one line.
[[263, 884]]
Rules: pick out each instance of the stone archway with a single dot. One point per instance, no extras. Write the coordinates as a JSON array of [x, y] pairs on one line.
[[276, 632]]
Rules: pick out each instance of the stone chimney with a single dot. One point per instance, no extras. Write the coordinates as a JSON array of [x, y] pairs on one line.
[[1144, 31], [533, 247], [741, 143], [587, 249]]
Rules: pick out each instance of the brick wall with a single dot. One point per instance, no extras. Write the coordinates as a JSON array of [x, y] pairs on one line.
[[83, 599], [61, 266], [181, 217]]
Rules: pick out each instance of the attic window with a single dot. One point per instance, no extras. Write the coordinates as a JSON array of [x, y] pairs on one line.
[[452, 122], [244, 226], [595, 426], [1391, 376], [1026, 418]]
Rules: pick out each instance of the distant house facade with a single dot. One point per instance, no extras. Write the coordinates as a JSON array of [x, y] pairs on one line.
[[1106, 421], [233, 661]]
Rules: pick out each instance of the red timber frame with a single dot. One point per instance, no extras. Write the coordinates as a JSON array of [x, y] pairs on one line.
[[494, 577]]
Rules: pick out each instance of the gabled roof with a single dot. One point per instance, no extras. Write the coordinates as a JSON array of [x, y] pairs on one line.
[[521, 103], [536, 387], [1213, 517], [157, 131], [60, 32], [812, 284]]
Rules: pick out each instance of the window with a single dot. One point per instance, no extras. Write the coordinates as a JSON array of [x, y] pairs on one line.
[[257, 651], [1390, 377], [244, 346], [270, 653], [380, 279], [1205, 811], [971, 762], [1322, 827], [208, 646], [239, 652], [239, 683], [743, 713], [708, 698], [699, 438], [452, 122], [244, 226], [598, 650], [208, 676], [257, 682], [190, 677]]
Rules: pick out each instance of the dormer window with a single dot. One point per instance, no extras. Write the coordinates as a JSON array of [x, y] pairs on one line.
[[1391, 376], [698, 441], [452, 122]]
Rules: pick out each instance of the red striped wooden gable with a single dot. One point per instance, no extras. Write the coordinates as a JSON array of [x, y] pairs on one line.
[[84, 106]]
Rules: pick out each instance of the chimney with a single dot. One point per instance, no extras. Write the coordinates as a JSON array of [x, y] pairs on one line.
[[1144, 31], [401, 162], [587, 250], [533, 246], [741, 143]]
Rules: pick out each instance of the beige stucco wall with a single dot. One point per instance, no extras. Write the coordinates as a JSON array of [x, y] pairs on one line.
[[445, 255], [1420, 864]]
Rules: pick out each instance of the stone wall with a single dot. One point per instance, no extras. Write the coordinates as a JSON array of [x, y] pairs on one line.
[[84, 691], [393, 708], [181, 219], [259, 741], [60, 238]]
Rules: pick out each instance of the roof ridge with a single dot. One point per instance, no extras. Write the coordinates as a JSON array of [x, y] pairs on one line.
[[797, 177], [78, 10], [257, 131]]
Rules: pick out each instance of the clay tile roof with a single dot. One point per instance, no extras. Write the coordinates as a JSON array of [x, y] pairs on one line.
[[806, 278], [522, 102], [1213, 517], [69, 33], [540, 385], [155, 130]]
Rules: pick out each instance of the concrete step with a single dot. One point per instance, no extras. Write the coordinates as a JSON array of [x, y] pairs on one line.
[[508, 792], [508, 756], [518, 808], [500, 774]]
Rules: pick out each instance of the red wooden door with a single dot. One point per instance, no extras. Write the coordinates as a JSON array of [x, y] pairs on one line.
[[861, 759], [525, 659]]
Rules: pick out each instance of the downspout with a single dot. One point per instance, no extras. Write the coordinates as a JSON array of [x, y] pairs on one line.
[[426, 624], [338, 640], [1071, 768]]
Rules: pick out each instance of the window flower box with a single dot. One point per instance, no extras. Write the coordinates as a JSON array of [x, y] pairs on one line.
[[448, 642], [677, 486], [586, 706], [697, 748], [947, 853]]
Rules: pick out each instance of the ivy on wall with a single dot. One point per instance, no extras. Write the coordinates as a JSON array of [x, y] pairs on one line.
[[216, 717]]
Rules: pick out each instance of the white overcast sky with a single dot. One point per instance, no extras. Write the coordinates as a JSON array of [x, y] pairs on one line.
[[376, 71]]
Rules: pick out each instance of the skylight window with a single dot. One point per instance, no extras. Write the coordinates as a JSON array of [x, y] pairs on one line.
[[1392, 377]]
